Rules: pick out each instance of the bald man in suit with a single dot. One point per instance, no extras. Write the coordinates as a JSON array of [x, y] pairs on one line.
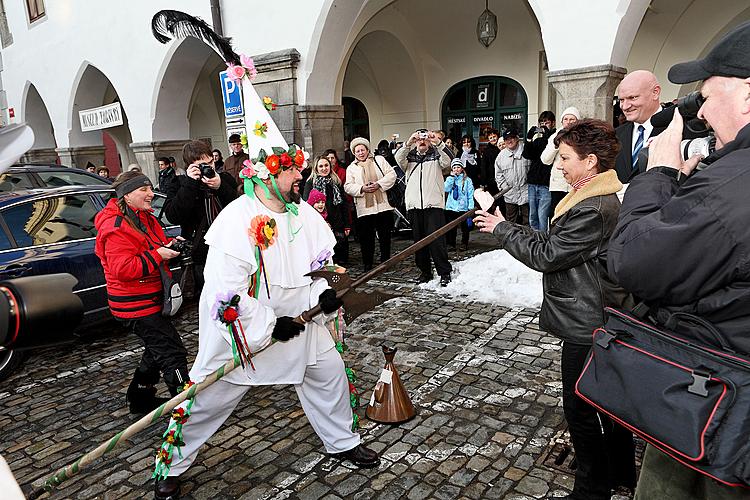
[[638, 94]]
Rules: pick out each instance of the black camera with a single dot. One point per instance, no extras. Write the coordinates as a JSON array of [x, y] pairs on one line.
[[185, 248], [207, 171], [182, 246]]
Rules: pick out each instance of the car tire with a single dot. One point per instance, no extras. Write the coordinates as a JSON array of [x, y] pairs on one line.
[[10, 360]]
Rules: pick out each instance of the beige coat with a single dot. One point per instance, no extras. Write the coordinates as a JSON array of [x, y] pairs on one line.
[[355, 181], [425, 175]]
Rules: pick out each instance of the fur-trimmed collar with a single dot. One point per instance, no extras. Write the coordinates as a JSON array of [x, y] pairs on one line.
[[603, 184]]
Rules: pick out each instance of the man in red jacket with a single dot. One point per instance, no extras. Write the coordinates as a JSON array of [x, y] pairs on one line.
[[134, 251]]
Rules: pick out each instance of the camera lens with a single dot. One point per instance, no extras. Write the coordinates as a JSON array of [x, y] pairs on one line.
[[207, 170], [690, 104]]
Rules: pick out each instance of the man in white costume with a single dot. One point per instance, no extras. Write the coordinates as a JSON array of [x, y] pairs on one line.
[[303, 355]]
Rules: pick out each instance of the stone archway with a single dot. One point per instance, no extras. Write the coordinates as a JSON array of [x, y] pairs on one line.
[[36, 115], [186, 104], [92, 89]]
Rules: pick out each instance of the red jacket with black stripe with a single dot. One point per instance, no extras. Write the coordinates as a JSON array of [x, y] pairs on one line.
[[130, 261]]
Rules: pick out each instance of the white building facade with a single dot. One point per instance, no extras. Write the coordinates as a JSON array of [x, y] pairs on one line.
[[336, 68]]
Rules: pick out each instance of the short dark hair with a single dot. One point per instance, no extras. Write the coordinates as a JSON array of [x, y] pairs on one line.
[[591, 136], [332, 151], [106, 169], [221, 156], [547, 115], [493, 131], [163, 159], [195, 150]]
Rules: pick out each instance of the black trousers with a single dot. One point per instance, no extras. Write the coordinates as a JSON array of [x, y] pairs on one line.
[[450, 236], [604, 450], [367, 225], [164, 352], [556, 197], [341, 250], [518, 214], [424, 222]]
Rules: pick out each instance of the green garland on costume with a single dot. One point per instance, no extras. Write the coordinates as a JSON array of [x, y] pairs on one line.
[[172, 438], [351, 376]]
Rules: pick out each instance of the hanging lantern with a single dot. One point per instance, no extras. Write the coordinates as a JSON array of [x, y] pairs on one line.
[[487, 26]]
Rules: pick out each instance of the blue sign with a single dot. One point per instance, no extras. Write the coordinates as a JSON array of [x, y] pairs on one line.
[[232, 93]]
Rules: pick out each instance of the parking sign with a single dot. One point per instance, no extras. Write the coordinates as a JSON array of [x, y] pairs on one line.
[[232, 93]]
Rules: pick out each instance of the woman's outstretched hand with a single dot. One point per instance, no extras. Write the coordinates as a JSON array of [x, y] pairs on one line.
[[486, 221]]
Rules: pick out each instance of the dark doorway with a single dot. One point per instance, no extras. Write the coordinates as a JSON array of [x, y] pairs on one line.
[[474, 106], [356, 121]]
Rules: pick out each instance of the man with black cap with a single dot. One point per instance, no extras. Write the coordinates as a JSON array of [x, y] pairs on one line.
[[695, 222], [511, 171], [233, 164]]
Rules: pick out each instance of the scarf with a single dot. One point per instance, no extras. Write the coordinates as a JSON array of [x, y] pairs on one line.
[[370, 174], [600, 185], [321, 183]]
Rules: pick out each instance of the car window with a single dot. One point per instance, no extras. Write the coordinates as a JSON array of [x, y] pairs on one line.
[[4, 241], [71, 177], [52, 220], [10, 182], [158, 205]]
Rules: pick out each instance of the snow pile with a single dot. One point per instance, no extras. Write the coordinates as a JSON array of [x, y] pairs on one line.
[[493, 277]]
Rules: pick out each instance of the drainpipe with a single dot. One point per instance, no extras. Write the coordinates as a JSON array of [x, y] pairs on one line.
[[216, 17]]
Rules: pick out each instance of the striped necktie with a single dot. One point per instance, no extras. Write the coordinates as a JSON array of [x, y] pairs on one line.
[[638, 145]]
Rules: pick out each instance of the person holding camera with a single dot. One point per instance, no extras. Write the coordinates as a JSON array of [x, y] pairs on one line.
[[539, 172], [134, 253], [682, 243], [426, 161], [196, 198]]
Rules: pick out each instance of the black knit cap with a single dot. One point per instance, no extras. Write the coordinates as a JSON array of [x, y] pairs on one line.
[[131, 185], [730, 57]]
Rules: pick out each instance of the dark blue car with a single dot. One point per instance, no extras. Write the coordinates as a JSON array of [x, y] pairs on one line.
[[45, 231]]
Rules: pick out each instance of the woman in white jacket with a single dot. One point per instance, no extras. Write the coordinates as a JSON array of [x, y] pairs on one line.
[[558, 187], [367, 180]]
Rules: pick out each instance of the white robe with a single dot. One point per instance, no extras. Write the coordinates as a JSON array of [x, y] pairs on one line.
[[230, 264]]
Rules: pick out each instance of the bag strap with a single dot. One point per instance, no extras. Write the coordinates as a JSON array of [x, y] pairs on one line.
[[715, 336]]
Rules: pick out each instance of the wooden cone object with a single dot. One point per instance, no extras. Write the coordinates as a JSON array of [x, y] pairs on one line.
[[390, 403]]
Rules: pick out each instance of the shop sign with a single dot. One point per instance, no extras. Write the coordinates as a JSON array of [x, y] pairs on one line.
[[456, 119], [101, 117]]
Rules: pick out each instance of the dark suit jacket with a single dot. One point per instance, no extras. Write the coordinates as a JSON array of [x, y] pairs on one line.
[[623, 162]]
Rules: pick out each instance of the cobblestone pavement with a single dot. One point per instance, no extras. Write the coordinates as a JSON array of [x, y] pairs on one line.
[[484, 379]]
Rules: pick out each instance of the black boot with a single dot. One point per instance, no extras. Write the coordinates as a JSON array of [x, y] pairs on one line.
[[141, 395], [167, 488]]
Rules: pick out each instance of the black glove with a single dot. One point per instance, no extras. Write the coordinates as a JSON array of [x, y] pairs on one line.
[[329, 302], [286, 328]]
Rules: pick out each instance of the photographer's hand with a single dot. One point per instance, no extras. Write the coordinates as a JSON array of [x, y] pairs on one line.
[[194, 172], [664, 149], [167, 253], [213, 183]]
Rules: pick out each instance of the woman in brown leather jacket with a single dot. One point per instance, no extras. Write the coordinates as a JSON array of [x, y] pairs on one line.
[[573, 259]]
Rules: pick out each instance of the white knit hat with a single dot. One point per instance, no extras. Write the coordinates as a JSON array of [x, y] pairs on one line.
[[571, 110], [357, 141]]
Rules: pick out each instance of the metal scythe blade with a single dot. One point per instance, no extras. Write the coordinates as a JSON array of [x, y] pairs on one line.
[[355, 303]]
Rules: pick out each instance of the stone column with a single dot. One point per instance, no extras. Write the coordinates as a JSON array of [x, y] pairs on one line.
[[321, 127], [277, 79], [42, 155], [80, 156], [147, 155], [590, 89]]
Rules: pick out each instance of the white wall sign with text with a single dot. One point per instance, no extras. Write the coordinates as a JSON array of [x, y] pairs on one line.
[[101, 117]]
